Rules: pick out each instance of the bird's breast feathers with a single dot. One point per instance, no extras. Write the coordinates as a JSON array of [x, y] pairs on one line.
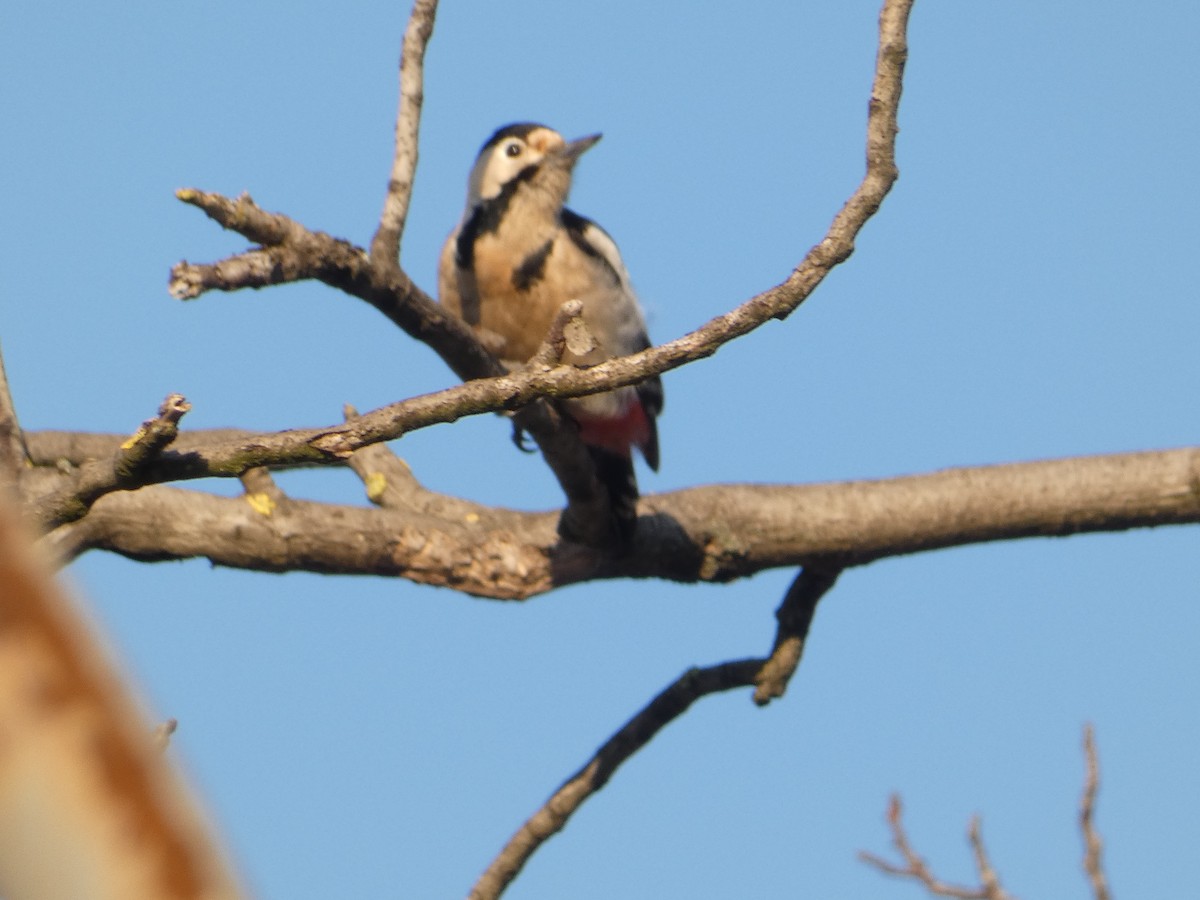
[[521, 284]]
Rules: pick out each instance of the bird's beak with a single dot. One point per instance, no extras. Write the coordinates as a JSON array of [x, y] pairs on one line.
[[570, 153]]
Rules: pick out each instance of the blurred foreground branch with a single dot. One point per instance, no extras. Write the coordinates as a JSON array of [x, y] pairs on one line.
[[88, 805]]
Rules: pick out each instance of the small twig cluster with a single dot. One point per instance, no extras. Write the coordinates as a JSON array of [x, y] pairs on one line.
[[914, 868]]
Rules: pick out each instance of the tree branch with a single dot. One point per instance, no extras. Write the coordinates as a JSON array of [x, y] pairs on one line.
[[916, 869], [129, 467], [1093, 857], [255, 269], [671, 703], [385, 246], [713, 533], [769, 677], [333, 444], [795, 616]]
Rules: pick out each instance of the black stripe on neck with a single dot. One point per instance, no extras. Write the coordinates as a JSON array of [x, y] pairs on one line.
[[486, 217]]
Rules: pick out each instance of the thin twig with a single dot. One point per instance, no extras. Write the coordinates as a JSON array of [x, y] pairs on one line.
[[1093, 862], [916, 869], [988, 879], [13, 456], [635, 734], [385, 246]]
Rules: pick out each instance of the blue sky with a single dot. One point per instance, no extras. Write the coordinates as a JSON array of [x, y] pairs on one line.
[[1027, 291]]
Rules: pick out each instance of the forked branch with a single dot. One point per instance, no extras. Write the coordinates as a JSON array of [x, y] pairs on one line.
[[916, 869]]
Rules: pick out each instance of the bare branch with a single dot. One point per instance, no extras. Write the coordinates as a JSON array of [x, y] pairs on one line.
[[635, 734], [713, 533], [253, 269], [390, 484], [916, 869], [1093, 861], [245, 217], [333, 444], [988, 879], [385, 246], [261, 491], [299, 253], [74, 448], [126, 469], [795, 615]]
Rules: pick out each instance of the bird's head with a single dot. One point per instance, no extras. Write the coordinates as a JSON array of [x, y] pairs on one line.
[[526, 153]]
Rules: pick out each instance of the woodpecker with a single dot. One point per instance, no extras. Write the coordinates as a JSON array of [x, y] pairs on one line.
[[517, 256]]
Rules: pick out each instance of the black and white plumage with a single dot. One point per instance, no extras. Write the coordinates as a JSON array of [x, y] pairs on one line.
[[517, 256]]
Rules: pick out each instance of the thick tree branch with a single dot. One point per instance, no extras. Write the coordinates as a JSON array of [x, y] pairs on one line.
[[713, 533], [635, 734], [385, 246]]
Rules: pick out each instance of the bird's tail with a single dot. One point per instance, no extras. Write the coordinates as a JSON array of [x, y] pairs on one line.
[[616, 476]]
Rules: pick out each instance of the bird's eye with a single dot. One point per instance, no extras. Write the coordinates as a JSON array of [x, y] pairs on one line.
[[513, 149]]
